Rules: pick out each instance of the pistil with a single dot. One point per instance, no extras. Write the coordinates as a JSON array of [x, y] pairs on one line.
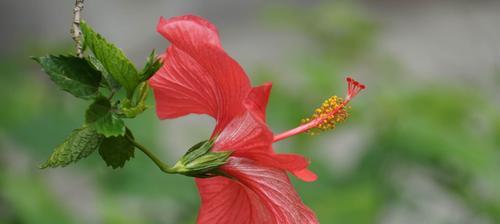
[[334, 110]]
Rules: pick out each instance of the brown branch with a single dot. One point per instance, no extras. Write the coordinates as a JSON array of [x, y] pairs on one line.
[[76, 32]]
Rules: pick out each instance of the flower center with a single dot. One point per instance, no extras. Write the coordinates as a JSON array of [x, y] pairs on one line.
[[334, 110]]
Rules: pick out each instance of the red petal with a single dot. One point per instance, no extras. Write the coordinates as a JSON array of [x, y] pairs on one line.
[[181, 89], [305, 175], [188, 31], [249, 137], [227, 201], [197, 75], [258, 194], [257, 100], [244, 134], [284, 161]]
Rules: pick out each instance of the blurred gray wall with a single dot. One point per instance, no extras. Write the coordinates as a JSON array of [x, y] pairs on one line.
[[432, 38]]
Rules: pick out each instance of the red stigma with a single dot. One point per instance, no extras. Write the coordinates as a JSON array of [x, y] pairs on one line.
[[353, 88]]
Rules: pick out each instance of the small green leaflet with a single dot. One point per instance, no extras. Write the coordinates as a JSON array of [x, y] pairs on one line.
[[72, 74], [115, 151], [112, 59], [153, 63], [80, 144], [99, 115]]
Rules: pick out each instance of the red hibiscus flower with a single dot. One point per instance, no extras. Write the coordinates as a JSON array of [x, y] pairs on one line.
[[199, 77]]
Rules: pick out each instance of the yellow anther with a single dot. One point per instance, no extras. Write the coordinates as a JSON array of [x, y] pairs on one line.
[[331, 112]]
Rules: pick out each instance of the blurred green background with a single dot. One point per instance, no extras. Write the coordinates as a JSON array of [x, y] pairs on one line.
[[422, 144]]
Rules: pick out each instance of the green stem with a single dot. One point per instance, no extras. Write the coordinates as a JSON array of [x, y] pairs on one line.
[[143, 92], [163, 166]]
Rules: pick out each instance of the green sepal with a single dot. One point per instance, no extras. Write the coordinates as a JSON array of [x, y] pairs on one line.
[[100, 116], [197, 150], [206, 165], [80, 144], [200, 162], [112, 59], [153, 63], [115, 151], [72, 74]]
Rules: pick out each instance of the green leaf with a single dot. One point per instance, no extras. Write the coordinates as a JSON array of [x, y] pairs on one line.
[[108, 80], [115, 151], [80, 144], [153, 63], [112, 59], [99, 115], [72, 74]]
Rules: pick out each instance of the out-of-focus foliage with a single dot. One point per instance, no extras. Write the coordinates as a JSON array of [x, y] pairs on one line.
[[412, 137], [415, 147]]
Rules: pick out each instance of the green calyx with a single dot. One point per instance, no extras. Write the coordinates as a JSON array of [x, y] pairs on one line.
[[200, 162]]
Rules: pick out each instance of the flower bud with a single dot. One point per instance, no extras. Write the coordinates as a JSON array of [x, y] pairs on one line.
[[199, 161]]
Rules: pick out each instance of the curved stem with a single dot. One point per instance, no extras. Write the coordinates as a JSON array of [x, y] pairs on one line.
[[163, 166]]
